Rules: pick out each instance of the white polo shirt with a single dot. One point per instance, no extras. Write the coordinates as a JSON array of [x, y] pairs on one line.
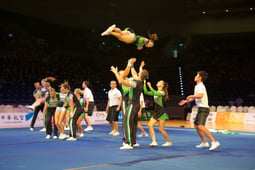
[[88, 94], [202, 102], [114, 97]]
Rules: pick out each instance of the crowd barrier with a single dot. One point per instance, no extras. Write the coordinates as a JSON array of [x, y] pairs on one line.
[[227, 117], [23, 119]]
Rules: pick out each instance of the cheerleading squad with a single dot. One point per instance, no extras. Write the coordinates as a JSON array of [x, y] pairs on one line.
[[66, 108], [67, 105]]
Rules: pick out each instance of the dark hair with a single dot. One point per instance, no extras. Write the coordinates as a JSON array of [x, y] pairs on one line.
[[153, 36], [86, 82], [144, 74], [165, 89], [66, 86], [203, 75]]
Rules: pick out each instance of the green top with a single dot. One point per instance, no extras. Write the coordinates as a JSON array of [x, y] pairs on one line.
[[158, 95]]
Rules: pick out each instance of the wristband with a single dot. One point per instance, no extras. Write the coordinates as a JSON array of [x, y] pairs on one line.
[[130, 65]]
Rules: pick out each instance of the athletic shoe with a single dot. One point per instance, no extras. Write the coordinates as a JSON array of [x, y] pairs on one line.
[[167, 144], [116, 134], [71, 139], [109, 29], [142, 135], [81, 135], [203, 145], [62, 136], [31, 107], [112, 132], [48, 137], [89, 128], [153, 144], [214, 145], [43, 130], [126, 147], [136, 145], [55, 137], [31, 129]]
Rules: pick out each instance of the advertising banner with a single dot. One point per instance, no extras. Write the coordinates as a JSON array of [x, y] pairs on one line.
[[19, 119]]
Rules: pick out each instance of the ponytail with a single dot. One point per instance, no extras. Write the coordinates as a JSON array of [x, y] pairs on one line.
[[166, 91], [51, 79], [153, 36]]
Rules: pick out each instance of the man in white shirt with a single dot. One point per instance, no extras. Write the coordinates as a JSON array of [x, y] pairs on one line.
[[113, 108], [88, 103], [201, 100]]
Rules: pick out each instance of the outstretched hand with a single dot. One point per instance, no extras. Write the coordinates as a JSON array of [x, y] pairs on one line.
[[142, 64], [132, 61], [114, 69], [149, 84], [182, 102]]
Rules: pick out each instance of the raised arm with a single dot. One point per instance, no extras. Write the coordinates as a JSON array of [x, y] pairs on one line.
[[146, 91], [128, 67], [120, 79]]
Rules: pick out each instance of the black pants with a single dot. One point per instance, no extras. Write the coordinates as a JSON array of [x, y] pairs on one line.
[[73, 121], [36, 111], [48, 117], [130, 124], [124, 125]]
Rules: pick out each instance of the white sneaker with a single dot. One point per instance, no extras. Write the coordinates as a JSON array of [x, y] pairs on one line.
[[153, 144], [71, 139], [126, 147], [43, 130], [214, 145], [48, 137], [31, 129], [55, 137], [89, 128], [136, 145], [116, 134], [112, 132], [81, 135], [203, 145], [31, 107], [109, 29], [62, 136], [167, 144], [142, 135]]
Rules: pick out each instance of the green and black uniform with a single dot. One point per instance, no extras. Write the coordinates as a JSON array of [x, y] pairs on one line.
[[77, 111], [159, 108], [131, 112], [125, 97], [51, 108], [40, 94], [139, 41]]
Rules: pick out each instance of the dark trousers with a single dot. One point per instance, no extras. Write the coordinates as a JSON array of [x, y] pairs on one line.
[[36, 111], [130, 124], [73, 122], [124, 125], [48, 118]]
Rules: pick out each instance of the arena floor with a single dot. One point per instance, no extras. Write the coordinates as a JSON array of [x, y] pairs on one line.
[[23, 149]]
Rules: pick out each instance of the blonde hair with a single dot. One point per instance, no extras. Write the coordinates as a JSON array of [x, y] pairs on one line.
[[78, 91]]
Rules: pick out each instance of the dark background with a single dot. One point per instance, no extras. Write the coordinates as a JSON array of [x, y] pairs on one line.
[[62, 39]]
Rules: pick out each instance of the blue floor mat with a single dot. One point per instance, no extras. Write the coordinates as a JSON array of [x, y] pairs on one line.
[[23, 149]]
